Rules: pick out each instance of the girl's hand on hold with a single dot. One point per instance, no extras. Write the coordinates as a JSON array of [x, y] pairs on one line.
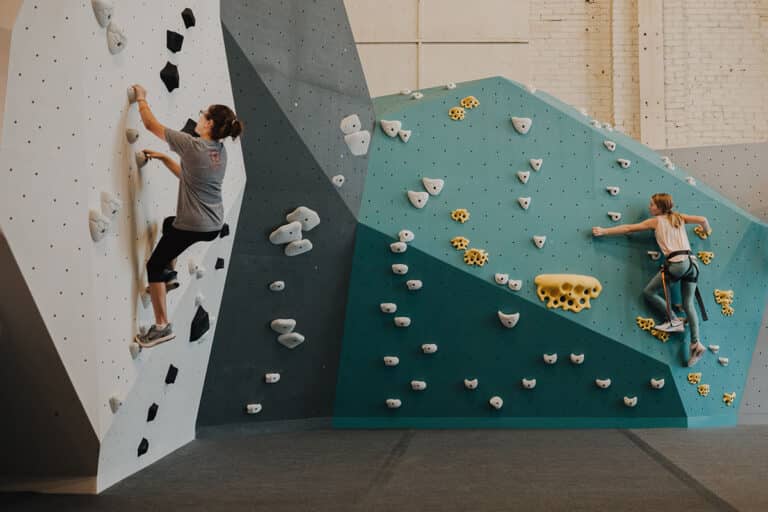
[[597, 231], [141, 92], [154, 154]]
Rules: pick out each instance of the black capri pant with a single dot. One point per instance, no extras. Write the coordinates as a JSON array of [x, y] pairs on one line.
[[172, 243]]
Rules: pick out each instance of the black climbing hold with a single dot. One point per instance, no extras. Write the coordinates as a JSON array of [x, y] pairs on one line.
[[224, 231], [219, 263], [190, 128], [200, 324], [170, 377], [174, 40], [189, 17], [143, 446], [170, 76], [152, 412]]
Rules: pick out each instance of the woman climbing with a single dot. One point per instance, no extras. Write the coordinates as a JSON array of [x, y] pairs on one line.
[[672, 238], [199, 208]]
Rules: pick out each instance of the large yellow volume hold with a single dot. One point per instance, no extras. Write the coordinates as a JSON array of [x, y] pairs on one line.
[[571, 292]]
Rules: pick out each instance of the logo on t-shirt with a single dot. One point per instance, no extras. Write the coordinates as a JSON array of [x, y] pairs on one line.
[[215, 156]]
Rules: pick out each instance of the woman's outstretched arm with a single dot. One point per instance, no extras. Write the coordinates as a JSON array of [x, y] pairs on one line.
[[147, 117], [169, 162], [624, 229], [697, 219]]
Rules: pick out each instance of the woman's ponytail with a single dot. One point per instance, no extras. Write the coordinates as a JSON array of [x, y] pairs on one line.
[[225, 122], [664, 203]]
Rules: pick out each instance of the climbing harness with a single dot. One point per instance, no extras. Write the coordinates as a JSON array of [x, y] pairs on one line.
[[691, 276]]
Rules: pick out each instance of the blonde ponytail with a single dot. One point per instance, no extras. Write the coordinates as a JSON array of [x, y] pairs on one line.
[[664, 203]]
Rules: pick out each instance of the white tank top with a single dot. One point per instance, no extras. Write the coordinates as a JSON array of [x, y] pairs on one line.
[[671, 239]]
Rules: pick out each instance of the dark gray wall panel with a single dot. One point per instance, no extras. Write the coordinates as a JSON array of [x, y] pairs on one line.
[[305, 54], [44, 430], [282, 174]]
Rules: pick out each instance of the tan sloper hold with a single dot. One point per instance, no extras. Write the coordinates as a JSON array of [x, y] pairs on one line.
[[571, 292]]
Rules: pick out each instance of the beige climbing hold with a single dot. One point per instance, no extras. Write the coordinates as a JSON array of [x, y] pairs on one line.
[[286, 233], [253, 408], [290, 340], [536, 163], [515, 285], [615, 216], [338, 180], [414, 284], [298, 247], [404, 135], [388, 307], [508, 320], [391, 360], [418, 199], [277, 286], [131, 135], [358, 142], [350, 124], [522, 124], [283, 325], [609, 145], [402, 321], [98, 224], [523, 176], [433, 185], [308, 218], [394, 403], [714, 348], [450, 86], [429, 348], [400, 269], [103, 9], [524, 202], [271, 378], [115, 403], [613, 190], [391, 127], [624, 163], [577, 358], [654, 255], [630, 401], [539, 241], [398, 247], [549, 358], [417, 95], [110, 205], [657, 383], [406, 235], [116, 40], [501, 279], [418, 385], [723, 361], [603, 383], [528, 383], [470, 383], [496, 402]]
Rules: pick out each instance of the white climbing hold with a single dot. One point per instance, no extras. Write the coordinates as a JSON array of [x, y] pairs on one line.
[[402, 321], [536, 163], [131, 135], [429, 348], [630, 401], [530, 88], [522, 124], [277, 286], [723, 361], [657, 383], [418, 199], [654, 255], [404, 135], [414, 284], [614, 191], [523, 176], [405, 92], [398, 247], [135, 349], [391, 127], [146, 298], [470, 383], [283, 325], [103, 10], [418, 385], [501, 279], [608, 127], [308, 218], [298, 247], [391, 360], [508, 320], [406, 235], [450, 86], [131, 93], [350, 124], [115, 403], [400, 269], [615, 216], [388, 307], [252, 408], [496, 402], [286, 233], [691, 180], [394, 403], [515, 285], [290, 340], [610, 145], [524, 202], [539, 241], [141, 159], [528, 383], [195, 269], [116, 40], [624, 163], [577, 358], [338, 180], [603, 383], [670, 166], [271, 378], [714, 348], [595, 123], [433, 185], [99, 225], [549, 358], [199, 299], [666, 159], [417, 95], [110, 205], [358, 142]]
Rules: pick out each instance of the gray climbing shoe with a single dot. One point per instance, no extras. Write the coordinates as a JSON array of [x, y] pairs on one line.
[[155, 336], [697, 351], [676, 325]]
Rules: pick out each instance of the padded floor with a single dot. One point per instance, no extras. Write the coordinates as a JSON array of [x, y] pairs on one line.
[[445, 470]]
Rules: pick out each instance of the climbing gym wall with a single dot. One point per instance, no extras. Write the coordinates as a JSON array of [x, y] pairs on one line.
[[81, 218], [277, 348], [479, 297]]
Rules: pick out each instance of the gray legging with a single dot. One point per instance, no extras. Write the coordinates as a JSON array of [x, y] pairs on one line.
[[688, 290]]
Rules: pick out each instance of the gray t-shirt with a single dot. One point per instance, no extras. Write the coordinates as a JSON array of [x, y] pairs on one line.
[[199, 206]]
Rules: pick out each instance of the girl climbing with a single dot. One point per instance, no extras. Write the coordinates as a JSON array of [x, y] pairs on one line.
[[199, 208], [680, 265]]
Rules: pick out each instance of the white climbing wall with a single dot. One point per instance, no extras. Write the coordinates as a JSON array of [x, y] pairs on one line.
[[63, 144]]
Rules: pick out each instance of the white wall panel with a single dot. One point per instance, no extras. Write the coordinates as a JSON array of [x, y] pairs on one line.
[[442, 63], [390, 21], [388, 68], [483, 20]]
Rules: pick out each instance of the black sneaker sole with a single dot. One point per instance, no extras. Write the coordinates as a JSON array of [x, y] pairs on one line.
[[155, 342]]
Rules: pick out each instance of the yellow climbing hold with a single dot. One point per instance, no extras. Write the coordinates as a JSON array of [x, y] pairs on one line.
[[660, 335], [725, 299], [703, 389], [728, 398], [456, 113], [460, 215], [645, 324], [706, 256], [694, 378], [459, 243], [701, 233], [469, 102], [570, 292], [475, 257]]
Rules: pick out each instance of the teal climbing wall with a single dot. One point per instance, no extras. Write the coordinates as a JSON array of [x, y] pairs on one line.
[[478, 158]]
